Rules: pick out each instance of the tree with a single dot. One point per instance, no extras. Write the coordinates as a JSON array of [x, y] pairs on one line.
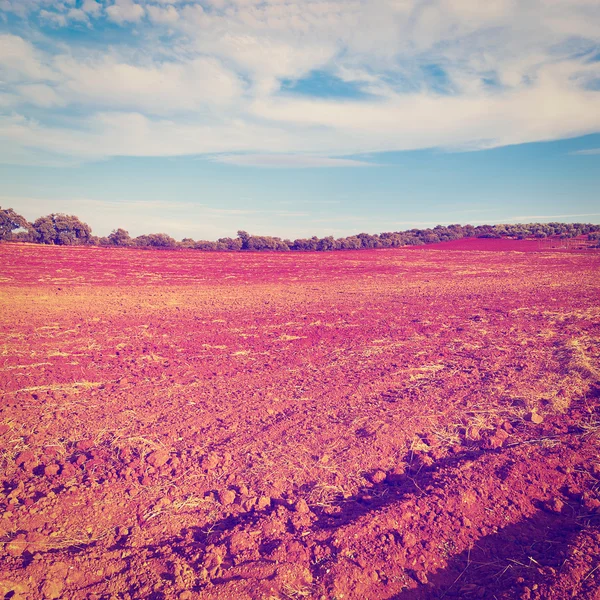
[[244, 236], [155, 240], [351, 242], [206, 245], [326, 243], [62, 230], [265, 242], [10, 221], [305, 244], [120, 237], [230, 243], [367, 240], [187, 243]]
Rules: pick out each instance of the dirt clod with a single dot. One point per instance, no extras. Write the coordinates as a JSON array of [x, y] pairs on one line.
[[379, 476], [51, 470], [301, 506], [16, 546], [263, 502], [535, 418], [227, 497], [158, 458]]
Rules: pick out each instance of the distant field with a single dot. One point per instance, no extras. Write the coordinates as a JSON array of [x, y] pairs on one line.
[[577, 244], [407, 424]]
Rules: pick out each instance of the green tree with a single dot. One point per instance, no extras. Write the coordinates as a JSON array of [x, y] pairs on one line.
[[230, 243], [187, 243], [62, 230], [155, 240], [11, 221], [326, 243], [245, 237], [120, 237]]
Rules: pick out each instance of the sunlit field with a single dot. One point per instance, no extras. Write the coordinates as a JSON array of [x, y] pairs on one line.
[[406, 424]]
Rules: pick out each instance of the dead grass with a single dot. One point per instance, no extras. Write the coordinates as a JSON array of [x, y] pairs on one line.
[[190, 503], [590, 428], [447, 435], [60, 541], [74, 387], [578, 360], [417, 444], [323, 495], [293, 592], [479, 423]]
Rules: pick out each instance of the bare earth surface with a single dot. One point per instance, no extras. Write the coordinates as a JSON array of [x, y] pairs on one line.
[[356, 425]]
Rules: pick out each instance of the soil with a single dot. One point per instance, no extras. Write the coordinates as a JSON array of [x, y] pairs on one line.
[[394, 424]]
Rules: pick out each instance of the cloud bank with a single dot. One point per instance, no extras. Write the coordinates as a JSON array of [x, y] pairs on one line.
[[303, 80]]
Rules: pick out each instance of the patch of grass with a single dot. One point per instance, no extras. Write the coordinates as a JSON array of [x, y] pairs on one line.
[[578, 361], [293, 592], [479, 423], [323, 495], [447, 435], [591, 428]]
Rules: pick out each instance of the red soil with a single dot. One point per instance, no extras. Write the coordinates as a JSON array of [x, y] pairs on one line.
[[385, 424]]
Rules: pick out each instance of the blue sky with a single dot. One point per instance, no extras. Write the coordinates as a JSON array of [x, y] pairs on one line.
[[300, 118]]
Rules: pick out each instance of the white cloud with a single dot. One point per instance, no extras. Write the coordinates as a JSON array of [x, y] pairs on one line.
[[53, 18], [446, 73], [156, 88], [19, 59], [589, 152], [125, 11], [167, 15], [77, 14], [133, 134], [8, 100], [91, 7], [23, 7], [289, 161], [40, 94]]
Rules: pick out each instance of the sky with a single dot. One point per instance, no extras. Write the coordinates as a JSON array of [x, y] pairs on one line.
[[300, 118]]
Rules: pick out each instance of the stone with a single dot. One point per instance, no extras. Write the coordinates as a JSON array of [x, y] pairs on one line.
[[51, 470], [535, 418], [52, 589], [52, 451], [249, 504], [84, 445], [27, 456], [210, 462], [379, 476], [497, 439], [158, 458], [301, 506], [16, 546], [556, 505], [227, 497], [263, 502]]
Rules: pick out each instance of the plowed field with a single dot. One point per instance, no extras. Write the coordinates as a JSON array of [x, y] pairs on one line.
[[354, 425]]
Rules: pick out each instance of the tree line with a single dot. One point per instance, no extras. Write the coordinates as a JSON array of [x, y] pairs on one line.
[[69, 230]]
